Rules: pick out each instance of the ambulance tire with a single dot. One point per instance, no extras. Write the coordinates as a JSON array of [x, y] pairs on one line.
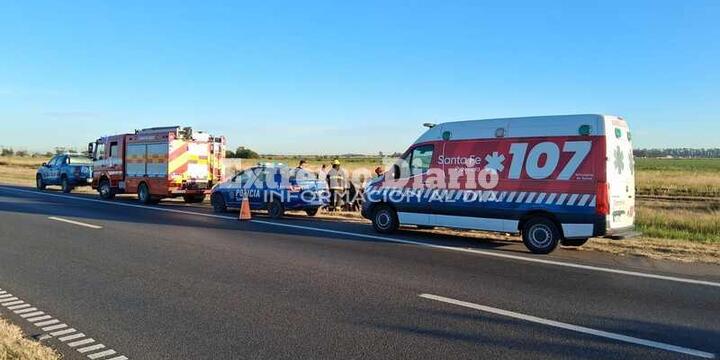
[[65, 184], [312, 211], [540, 235], [574, 242], [105, 190], [276, 210], [385, 219], [39, 182], [194, 199], [218, 203]]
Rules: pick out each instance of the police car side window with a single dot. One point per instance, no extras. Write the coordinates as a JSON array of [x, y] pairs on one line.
[[421, 159]]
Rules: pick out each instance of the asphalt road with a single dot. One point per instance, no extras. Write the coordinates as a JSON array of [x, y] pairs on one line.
[[176, 282]]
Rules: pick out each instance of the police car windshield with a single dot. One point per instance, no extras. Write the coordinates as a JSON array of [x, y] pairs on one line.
[[79, 160]]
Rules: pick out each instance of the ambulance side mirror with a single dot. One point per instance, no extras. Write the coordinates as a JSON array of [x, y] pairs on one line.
[[396, 172]]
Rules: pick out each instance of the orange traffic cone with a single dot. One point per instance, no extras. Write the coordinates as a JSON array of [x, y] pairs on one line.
[[245, 209]]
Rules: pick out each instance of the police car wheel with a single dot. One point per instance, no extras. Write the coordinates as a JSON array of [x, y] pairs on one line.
[[276, 209], [385, 220], [312, 211], [39, 182], [65, 184], [574, 242], [218, 203], [540, 235]]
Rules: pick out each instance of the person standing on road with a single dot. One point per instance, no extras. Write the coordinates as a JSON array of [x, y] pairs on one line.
[[336, 184]]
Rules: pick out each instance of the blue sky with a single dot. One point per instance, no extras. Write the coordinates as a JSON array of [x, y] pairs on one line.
[[339, 77]]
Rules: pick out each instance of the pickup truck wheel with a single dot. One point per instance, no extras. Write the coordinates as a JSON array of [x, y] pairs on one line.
[[573, 242], [39, 182], [218, 203], [276, 210], [144, 194], [193, 199], [385, 220], [540, 235], [312, 211], [65, 184], [105, 190]]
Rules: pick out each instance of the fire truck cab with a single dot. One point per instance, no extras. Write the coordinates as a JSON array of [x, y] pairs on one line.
[[158, 163]]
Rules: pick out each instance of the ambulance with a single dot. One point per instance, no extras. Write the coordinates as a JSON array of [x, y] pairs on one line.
[[157, 163], [552, 179]]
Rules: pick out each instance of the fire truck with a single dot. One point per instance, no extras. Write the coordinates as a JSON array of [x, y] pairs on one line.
[[157, 163]]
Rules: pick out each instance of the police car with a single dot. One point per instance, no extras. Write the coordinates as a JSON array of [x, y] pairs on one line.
[[66, 170], [272, 187]]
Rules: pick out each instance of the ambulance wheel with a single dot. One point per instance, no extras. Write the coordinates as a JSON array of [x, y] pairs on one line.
[[39, 182], [144, 194], [105, 190], [193, 199], [218, 203], [276, 210], [573, 242], [540, 235], [65, 185], [312, 211], [385, 219]]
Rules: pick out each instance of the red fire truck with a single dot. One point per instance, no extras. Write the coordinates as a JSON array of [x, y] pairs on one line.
[[158, 163]]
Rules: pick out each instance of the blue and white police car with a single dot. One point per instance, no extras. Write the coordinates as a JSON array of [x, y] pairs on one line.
[[66, 170], [272, 187]]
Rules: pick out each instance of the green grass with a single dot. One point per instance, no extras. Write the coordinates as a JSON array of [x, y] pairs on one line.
[[691, 165]]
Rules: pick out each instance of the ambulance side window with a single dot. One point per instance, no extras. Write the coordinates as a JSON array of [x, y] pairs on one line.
[[421, 159], [240, 178]]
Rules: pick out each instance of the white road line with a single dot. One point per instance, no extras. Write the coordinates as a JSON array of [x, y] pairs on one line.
[[24, 310], [54, 327], [8, 299], [15, 307], [63, 332], [44, 317], [91, 348], [71, 337], [400, 241], [75, 222], [36, 313], [119, 358], [46, 323], [6, 295], [571, 327], [81, 342], [101, 354], [18, 302]]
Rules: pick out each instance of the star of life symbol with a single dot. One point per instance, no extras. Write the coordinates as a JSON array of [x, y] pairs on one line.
[[495, 161], [619, 160]]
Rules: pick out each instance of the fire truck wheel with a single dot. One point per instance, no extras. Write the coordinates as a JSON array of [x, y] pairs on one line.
[[218, 203], [385, 219], [144, 194], [276, 210], [65, 184], [573, 242], [105, 190], [540, 235], [312, 211], [39, 182], [193, 199]]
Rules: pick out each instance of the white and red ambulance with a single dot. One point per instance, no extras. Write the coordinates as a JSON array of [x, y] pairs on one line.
[[554, 179]]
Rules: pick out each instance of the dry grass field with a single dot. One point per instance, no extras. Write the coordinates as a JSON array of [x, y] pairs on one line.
[[672, 218], [14, 345]]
